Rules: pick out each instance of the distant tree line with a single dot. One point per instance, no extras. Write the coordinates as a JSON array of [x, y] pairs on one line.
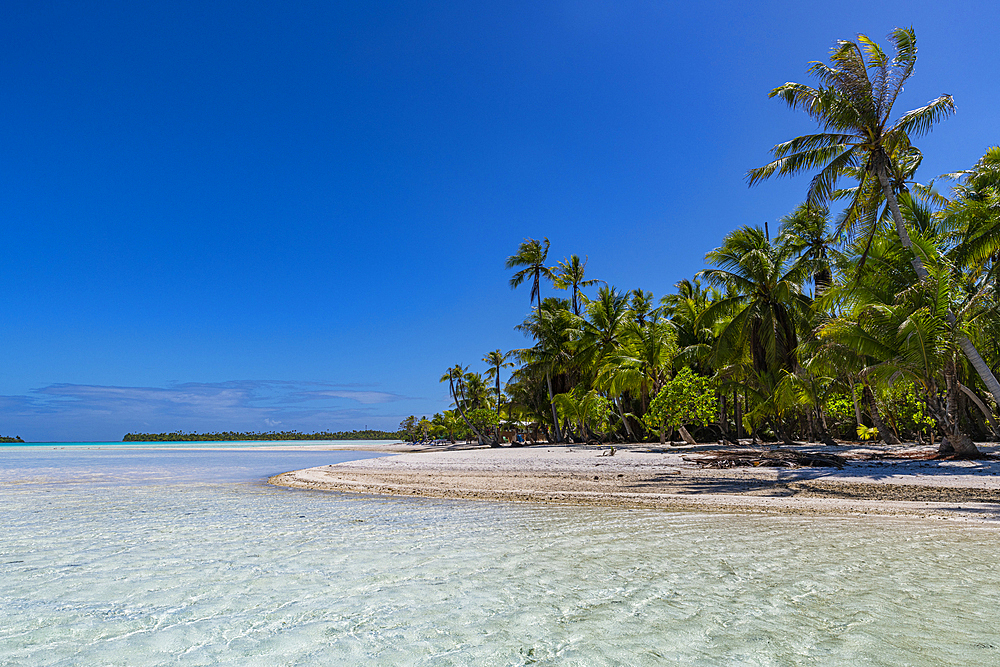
[[234, 436], [7, 438]]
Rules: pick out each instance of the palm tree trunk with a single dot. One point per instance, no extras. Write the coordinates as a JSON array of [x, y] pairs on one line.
[[555, 416], [686, 436], [621, 413], [458, 404], [884, 433], [984, 372], [720, 398], [990, 422], [854, 397], [498, 405], [737, 415], [955, 441]]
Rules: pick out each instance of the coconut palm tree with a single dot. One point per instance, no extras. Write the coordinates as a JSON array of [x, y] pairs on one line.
[[455, 377], [552, 327], [684, 310], [530, 257], [641, 305], [973, 214], [581, 408], [853, 106], [806, 233], [495, 361], [569, 275], [903, 332], [601, 332], [760, 313], [763, 296], [641, 365], [476, 394]]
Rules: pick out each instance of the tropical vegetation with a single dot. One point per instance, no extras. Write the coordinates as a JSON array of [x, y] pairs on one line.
[[877, 321]]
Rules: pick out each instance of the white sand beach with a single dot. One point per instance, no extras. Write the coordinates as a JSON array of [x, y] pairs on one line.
[[872, 481]]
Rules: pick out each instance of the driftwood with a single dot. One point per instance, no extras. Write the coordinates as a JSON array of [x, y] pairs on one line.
[[771, 458]]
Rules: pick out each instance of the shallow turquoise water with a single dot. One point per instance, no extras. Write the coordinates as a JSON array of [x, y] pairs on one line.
[[176, 570], [237, 444]]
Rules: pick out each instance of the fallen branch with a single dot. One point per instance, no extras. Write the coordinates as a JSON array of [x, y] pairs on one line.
[[771, 458]]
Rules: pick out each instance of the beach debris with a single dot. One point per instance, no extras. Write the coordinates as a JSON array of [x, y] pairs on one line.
[[770, 458], [608, 452]]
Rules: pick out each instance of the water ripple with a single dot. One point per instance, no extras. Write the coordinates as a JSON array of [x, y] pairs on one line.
[[249, 575]]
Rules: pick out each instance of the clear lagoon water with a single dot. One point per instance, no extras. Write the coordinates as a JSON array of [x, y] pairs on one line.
[[117, 556]]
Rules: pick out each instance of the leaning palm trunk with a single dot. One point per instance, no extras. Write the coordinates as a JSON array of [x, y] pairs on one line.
[[621, 413], [989, 419], [458, 404], [685, 436], [855, 99], [956, 441], [498, 408], [970, 351], [555, 416]]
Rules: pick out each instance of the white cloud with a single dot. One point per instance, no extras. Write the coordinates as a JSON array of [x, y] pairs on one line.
[[66, 412]]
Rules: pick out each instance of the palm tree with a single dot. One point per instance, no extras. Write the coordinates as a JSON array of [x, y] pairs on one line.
[[449, 423], [695, 337], [551, 325], [531, 255], [581, 407], [902, 332], [570, 275], [973, 214], [805, 232], [854, 109], [764, 296], [601, 333], [497, 360], [641, 305], [762, 309], [641, 365], [455, 377], [476, 393]]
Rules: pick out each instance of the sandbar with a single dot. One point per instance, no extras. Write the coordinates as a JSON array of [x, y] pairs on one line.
[[876, 480]]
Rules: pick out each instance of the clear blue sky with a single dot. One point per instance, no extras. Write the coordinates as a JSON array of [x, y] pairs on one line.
[[255, 215]]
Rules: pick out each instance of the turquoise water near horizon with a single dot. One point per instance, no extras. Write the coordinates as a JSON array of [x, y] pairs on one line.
[[152, 557], [199, 444]]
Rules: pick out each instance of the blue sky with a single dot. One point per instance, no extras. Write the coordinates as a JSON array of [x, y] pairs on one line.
[[257, 215]]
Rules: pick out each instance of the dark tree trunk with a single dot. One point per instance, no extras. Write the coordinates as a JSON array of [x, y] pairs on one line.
[[884, 433], [955, 441], [737, 409]]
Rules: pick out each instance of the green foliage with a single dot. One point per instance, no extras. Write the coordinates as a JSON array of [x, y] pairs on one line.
[[599, 415], [585, 409], [840, 407], [686, 399], [906, 408], [483, 420], [408, 427], [7, 438]]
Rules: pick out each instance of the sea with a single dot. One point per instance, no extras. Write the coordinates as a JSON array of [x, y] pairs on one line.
[[115, 554]]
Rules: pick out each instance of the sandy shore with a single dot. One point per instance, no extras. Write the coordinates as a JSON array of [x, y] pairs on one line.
[[638, 476]]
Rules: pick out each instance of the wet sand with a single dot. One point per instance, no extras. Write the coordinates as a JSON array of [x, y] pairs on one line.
[[669, 478]]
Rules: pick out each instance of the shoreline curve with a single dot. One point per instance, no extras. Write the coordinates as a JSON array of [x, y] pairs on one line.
[[644, 476]]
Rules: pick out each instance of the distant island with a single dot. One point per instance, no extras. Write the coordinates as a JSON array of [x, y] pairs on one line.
[[7, 438], [233, 436]]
